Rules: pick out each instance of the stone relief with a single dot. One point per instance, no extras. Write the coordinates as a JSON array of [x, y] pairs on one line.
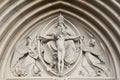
[[61, 46], [27, 65], [60, 51]]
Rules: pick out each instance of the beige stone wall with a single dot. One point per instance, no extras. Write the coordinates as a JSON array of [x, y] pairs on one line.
[[102, 17]]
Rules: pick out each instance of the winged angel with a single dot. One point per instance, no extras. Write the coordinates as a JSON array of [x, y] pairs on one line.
[[26, 60], [59, 51]]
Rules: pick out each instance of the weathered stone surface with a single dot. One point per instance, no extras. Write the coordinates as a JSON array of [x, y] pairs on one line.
[[86, 36]]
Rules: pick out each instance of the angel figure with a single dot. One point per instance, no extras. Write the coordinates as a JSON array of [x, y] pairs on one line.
[[92, 65], [26, 64]]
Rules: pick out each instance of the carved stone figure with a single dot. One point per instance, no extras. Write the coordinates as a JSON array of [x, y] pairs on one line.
[[26, 64], [92, 64], [64, 46]]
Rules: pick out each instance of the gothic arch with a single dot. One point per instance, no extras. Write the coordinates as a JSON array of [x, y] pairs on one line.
[[101, 17]]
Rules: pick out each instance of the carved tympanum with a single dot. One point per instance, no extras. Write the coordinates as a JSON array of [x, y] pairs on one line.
[[60, 50]]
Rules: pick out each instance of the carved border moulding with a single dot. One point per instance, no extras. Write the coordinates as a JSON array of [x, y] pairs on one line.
[[110, 78], [30, 78], [59, 49]]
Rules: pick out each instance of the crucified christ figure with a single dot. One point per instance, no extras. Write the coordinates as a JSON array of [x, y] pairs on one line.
[[60, 38]]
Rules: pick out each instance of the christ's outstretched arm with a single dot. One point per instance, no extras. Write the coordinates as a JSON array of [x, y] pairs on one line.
[[72, 38]]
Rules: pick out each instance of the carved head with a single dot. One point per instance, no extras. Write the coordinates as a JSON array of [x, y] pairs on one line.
[[61, 25]]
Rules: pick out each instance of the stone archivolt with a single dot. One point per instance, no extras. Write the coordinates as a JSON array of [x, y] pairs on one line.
[[101, 23]]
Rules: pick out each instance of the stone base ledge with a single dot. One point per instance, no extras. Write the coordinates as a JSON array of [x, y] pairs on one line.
[[54, 78]]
